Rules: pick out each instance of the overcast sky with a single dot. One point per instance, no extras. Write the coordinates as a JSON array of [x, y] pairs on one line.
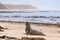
[[40, 4]]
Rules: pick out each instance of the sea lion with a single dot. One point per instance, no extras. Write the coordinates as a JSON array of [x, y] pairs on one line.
[[31, 31], [28, 28]]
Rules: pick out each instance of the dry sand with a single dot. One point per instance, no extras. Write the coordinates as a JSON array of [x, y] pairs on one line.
[[18, 30]]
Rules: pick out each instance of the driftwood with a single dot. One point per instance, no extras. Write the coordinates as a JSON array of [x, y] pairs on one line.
[[2, 28], [27, 38], [7, 37], [31, 31]]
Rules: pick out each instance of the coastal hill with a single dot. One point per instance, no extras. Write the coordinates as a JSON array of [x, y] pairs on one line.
[[17, 7], [21, 6], [2, 6]]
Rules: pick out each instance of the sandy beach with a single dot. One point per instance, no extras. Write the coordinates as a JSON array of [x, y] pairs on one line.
[[17, 30]]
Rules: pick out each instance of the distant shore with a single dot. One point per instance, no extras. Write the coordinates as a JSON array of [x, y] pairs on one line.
[[17, 11]]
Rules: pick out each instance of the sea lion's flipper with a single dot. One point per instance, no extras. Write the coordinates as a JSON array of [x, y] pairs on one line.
[[34, 32]]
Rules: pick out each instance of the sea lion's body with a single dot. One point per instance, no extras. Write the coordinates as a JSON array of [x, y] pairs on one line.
[[31, 31], [28, 28]]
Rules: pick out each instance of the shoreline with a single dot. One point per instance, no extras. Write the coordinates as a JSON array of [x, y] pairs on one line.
[[28, 22], [46, 24], [17, 30]]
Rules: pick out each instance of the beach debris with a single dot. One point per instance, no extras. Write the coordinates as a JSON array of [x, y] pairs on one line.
[[58, 31], [31, 31], [2, 36], [7, 37], [27, 38], [2, 27], [1, 30]]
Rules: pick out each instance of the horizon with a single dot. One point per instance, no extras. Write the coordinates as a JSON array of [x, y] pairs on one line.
[[40, 4]]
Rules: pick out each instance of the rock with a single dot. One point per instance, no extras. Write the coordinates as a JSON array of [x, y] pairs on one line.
[[58, 31]]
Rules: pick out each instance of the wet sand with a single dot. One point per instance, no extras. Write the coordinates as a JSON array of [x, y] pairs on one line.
[[17, 30]]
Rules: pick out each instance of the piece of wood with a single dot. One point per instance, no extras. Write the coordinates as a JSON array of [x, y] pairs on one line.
[[26, 38]]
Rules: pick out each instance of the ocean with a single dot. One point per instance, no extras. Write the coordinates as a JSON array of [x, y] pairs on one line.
[[39, 17]]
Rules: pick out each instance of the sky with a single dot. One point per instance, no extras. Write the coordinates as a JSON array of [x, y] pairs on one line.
[[40, 4]]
